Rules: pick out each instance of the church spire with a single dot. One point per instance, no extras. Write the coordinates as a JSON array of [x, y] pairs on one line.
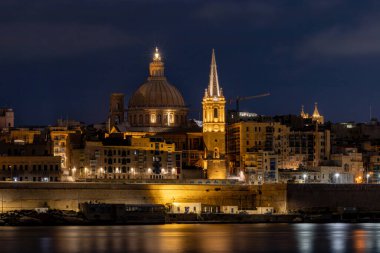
[[316, 112], [213, 87], [302, 112]]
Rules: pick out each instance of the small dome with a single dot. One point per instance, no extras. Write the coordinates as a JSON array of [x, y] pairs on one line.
[[156, 93]]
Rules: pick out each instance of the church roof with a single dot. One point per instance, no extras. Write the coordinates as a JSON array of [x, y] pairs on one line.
[[156, 93]]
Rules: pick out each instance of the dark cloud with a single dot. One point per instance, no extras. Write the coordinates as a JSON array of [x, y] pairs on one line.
[[324, 4], [359, 40], [38, 40], [259, 12]]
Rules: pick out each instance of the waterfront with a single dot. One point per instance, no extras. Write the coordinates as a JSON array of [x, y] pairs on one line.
[[333, 237]]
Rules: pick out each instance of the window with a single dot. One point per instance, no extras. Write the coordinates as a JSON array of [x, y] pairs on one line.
[[153, 118], [215, 112]]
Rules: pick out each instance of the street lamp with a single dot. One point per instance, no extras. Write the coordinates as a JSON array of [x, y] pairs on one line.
[[101, 170], [336, 177], [85, 174], [367, 176], [304, 178], [73, 170]]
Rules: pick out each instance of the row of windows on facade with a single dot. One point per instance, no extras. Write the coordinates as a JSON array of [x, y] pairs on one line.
[[268, 135], [35, 167], [128, 152], [304, 143], [152, 176], [125, 169], [145, 119], [267, 129], [34, 179], [59, 137], [128, 160], [18, 152]]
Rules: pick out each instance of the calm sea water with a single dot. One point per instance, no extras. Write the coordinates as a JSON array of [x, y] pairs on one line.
[[194, 238]]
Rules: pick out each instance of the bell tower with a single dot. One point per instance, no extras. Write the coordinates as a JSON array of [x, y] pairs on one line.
[[214, 126]]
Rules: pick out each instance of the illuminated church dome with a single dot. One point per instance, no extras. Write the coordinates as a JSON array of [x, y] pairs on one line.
[[157, 103], [156, 93]]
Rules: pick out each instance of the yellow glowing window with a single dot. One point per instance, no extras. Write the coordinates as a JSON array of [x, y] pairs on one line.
[[153, 118]]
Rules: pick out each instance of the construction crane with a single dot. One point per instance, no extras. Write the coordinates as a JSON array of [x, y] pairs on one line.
[[238, 99]]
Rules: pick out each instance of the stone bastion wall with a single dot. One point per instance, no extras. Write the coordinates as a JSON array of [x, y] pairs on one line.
[[364, 197], [67, 196]]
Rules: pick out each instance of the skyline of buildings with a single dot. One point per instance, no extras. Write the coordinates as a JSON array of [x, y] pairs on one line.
[[151, 137]]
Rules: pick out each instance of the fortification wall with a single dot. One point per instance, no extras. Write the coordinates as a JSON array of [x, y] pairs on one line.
[[361, 196], [67, 196]]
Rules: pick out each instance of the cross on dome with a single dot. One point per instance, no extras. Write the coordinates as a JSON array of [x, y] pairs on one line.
[[156, 56]]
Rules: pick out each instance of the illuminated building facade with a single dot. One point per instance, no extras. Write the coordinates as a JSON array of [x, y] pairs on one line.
[[60, 139], [23, 159], [132, 158], [246, 137], [30, 168], [261, 167], [313, 142]]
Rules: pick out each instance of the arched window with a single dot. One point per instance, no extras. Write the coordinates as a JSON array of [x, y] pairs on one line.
[[215, 112], [134, 119], [153, 118], [216, 153], [146, 119], [159, 119]]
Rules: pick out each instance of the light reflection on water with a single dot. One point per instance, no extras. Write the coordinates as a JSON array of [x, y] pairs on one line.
[[208, 238]]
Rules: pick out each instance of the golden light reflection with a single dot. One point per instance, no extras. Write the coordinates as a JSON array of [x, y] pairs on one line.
[[359, 240]]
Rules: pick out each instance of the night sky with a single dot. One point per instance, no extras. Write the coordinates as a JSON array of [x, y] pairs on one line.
[[65, 58]]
